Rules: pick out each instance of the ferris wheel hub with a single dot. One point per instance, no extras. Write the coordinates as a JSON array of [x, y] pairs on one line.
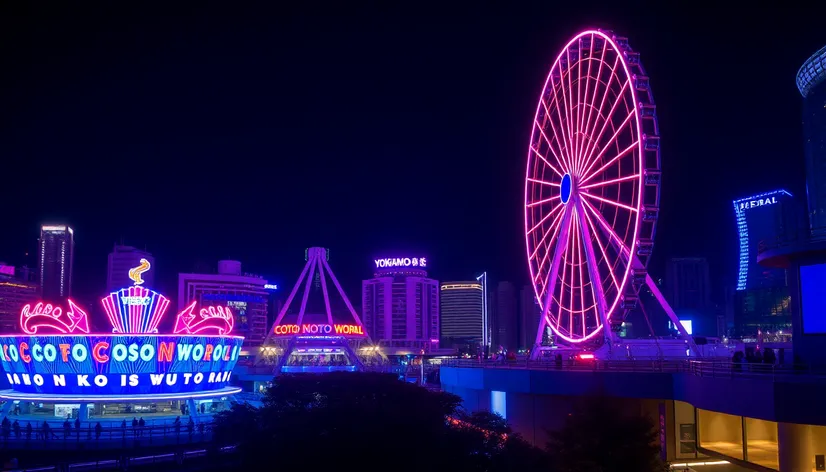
[[566, 188]]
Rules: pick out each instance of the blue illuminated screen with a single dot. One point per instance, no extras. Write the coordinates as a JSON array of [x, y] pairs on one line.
[[813, 298]]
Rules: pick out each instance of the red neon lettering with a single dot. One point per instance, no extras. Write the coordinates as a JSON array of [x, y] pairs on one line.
[[97, 355], [24, 346], [208, 352], [6, 353], [64, 351], [165, 351]]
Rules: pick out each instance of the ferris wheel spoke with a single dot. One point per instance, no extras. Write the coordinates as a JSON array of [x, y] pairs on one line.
[[610, 182], [568, 101], [580, 245], [564, 149], [613, 238], [544, 201], [610, 202], [606, 91], [543, 158], [545, 218], [576, 107], [542, 182], [613, 140], [608, 164], [594, 93], [608, 118], [561, 243], [582, 102]]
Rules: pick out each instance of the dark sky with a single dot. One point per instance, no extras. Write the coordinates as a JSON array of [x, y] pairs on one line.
[[220, 131]]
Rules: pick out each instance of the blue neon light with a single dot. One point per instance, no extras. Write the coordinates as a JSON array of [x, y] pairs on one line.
[[118, 365], [741, 207], [565, 188], [813, 303], [812, 72]]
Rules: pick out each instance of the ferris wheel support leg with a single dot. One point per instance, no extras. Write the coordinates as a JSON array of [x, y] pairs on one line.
[[673, 316], [561, 246]]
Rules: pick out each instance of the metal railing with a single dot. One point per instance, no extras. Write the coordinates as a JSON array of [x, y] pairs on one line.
[[106, 437], [720, 369]]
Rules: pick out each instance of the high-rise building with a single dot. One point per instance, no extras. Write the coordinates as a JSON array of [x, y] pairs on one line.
[[688, 289], [811, 81], [400, 307], [123, 258], [461, 309], [529, 314], [56, 258], [762, 300], [243, 293], [16, 290], [505, 317]]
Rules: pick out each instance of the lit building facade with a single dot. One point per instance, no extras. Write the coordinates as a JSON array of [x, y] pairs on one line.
[[55, 260], [400, 307], [811, 81], [16, 290], [244, 294], [762, 303], [462, 310], [123, 258], [688, 289]]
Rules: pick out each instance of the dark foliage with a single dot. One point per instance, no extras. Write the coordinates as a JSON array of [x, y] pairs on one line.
[[598, 437], [368, 421]]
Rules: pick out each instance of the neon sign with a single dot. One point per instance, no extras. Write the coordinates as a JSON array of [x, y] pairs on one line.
[[58, 356], [135, 273], [270, 287], [758, 203], [46, 316], [401, 262], [210, 320], [318, 329]]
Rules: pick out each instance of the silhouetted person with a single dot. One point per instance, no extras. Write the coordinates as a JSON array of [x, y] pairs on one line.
[[134, 426], [28, 430], [190, 427], [67, 429], [16, 427], [769, 357], [98, 430], [141, 425], [77, 424]]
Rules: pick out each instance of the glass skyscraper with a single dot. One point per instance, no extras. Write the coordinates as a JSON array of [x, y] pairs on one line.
[[811, 81], [762, 301]]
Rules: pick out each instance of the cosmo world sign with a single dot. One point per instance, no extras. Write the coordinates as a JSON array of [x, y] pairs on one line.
[[401, 262]]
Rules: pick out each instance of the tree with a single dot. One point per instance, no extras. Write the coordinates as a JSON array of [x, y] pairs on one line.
[[598, 437], [367, 421]]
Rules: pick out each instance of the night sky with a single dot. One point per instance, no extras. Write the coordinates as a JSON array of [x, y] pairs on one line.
[[221, 131]]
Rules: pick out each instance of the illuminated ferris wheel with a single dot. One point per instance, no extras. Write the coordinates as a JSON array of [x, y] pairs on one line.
[[592, 188]]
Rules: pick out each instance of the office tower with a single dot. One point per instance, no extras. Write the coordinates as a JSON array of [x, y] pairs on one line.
[[529, 313], [400, 308], [505, 317], [243, 293], [56, 258], [811, 81], [123, 258], [461, 309]]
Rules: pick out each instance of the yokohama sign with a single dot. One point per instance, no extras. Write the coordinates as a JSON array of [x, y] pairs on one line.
[[401, 262]]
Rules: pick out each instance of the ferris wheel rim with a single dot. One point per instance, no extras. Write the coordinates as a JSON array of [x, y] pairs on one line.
[[549, 286]]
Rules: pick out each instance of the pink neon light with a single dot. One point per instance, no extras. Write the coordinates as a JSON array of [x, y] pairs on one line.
[[579, 108], [48, 319], [216, 320], [586, 356]]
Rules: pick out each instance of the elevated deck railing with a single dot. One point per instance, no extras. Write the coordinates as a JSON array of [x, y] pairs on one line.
[[108, 437], [721, 369]]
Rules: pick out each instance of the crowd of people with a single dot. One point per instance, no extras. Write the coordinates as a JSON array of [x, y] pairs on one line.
[[44, 431]]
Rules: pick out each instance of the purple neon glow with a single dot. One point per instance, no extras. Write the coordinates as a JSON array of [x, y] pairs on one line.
[[316, 264], [589, 125]]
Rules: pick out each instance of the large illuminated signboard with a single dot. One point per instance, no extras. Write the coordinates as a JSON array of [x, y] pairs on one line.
[[401, 262], [318, 329], [59, 357]]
